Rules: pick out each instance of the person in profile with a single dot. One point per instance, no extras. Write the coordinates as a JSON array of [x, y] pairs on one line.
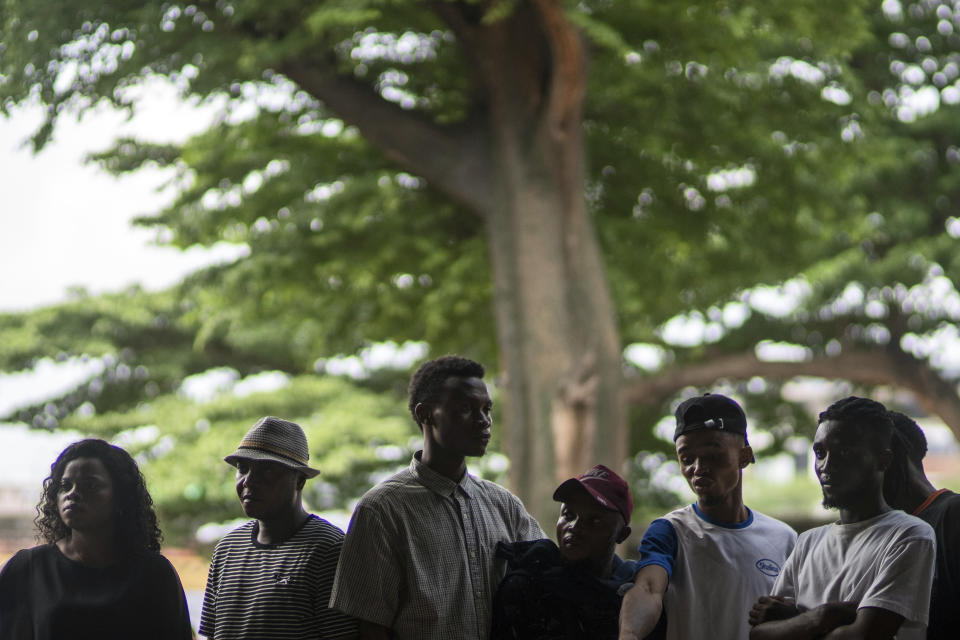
[[867, 575], [99, 573], [271, 577], [705, 564], [418, 560], [906, 487], [570, 590]]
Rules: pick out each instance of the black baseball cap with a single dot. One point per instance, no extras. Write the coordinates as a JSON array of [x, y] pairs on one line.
[[711, 411]]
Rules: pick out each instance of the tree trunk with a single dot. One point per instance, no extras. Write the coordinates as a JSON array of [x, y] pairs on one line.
[[518, 162], [558, 341], [559, 344]]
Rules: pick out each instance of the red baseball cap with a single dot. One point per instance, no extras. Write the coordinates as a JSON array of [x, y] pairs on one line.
[[605, 486]]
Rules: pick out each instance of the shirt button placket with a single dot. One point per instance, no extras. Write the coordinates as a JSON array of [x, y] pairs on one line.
[[470, 536]]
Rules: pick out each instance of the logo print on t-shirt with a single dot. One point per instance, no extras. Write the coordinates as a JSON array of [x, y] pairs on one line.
[[768, 567]]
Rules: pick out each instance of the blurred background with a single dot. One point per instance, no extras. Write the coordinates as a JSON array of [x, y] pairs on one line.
[[210, 213]]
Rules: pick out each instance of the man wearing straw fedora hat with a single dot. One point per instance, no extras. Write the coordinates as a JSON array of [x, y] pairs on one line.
[[271, 577]]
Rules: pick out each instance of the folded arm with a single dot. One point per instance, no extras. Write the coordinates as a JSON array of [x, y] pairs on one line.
[[772, 607], [834, 620]]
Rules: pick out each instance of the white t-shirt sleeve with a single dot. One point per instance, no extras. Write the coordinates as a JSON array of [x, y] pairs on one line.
[[785, 585], [902, 583]]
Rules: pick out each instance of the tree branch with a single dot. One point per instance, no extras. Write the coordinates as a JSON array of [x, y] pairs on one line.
[[455, 160], [568, 82], [881, 367]]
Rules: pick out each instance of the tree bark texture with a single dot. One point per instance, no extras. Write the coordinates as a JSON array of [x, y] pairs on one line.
[[560, 348]]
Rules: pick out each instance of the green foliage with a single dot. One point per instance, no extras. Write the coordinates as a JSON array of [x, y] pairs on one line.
[[353, 433], [729, 145], [334, 229]]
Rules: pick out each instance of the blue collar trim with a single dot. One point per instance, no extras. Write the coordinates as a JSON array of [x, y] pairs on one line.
[[726, 525]]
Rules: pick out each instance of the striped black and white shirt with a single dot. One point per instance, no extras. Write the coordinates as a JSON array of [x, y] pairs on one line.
[[419, 554], [276, 591]]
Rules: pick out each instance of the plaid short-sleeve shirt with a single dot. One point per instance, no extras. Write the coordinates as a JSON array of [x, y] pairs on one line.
[[419, 554]]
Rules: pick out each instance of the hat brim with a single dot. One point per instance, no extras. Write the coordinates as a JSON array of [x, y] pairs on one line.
[[255, 454], [568, 485]]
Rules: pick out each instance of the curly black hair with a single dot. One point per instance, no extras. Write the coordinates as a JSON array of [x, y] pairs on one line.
[[868, 416], [427, 383], [137, 528]]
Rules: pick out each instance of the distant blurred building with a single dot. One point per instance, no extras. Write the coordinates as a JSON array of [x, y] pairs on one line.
[[17, 510], [942, 463], [25, 457]]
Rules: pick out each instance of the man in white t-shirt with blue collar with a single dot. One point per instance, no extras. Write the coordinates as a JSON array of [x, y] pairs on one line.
[[704, 565]]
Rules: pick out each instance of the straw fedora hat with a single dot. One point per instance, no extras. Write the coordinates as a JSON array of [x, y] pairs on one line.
[[276, 440]]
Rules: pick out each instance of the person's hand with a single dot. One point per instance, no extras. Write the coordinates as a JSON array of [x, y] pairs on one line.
[[769, 608]]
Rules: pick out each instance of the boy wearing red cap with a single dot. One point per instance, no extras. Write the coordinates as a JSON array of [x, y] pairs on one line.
[[570, 590]]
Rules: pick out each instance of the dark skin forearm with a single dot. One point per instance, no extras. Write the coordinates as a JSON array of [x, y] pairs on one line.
[[807, 625], [872, 623], [643, 604], [769, 608], [833, 621]]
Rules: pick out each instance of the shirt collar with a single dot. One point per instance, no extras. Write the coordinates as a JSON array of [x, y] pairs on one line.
[[440, 484], [926, 503], [726, 525]]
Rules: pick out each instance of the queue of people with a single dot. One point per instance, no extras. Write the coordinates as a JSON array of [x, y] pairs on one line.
[[435, 553]]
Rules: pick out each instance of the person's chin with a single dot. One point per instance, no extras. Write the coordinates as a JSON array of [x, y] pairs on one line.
[[250, 509], [478, 451], [572, 556], [834, 500], [709, 498]]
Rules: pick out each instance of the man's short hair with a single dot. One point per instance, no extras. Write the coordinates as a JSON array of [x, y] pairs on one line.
[[910, 436], [426, 385], [868, 416]]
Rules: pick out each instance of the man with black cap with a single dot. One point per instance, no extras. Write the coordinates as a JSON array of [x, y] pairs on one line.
[[704, 565], [571, 591], [271, 577]]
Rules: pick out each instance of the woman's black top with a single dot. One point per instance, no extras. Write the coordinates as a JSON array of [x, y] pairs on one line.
[[46, 596]]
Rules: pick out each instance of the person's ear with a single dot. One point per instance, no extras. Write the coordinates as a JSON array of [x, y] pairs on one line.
[[624, 533], [746, 456], [301, 481], [885, 459], [422, 412]]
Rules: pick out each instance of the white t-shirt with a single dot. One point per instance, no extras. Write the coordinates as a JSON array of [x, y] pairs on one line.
[[884, 562], [717, 571]]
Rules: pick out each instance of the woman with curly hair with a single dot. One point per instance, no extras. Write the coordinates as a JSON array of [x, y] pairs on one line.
[[99, 573]]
